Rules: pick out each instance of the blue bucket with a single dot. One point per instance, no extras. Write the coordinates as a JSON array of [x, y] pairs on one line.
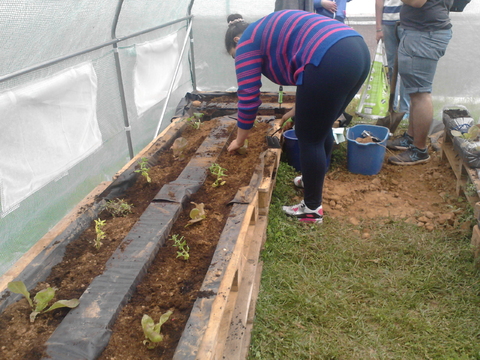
[[366, 159], [292, 149]]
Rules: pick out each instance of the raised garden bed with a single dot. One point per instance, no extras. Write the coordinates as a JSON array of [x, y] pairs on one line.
[[136, 270], [467, 176]]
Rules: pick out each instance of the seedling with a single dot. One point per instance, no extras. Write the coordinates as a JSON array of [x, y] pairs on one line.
[[118, 207], [195, 120], [152, 330], [41, 299], [472, 133], [219, 172], [182, 246], [197, 214], [243, 149], [99, 224], [179, 146], [144, 169], [470, 189]]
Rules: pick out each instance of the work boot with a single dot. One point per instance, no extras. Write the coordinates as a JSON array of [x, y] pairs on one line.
[[304, 214], [412, 156], [400, 142]]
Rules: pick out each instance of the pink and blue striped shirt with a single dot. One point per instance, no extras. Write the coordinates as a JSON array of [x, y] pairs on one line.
[[279, 46]]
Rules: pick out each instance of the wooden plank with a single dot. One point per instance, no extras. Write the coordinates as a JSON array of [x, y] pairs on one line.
[[238, 340], [244, 350], [464, 174], [476, 241], [453, 159], [266, 187], [225, 324], [218, 315]]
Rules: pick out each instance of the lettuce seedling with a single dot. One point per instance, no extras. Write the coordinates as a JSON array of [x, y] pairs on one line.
[[243, 149], [471, 135], [99, 224], [219, 172], [179, 146], [144, 169], [152, 330], [41, 299], [197, 213], [195, 120]]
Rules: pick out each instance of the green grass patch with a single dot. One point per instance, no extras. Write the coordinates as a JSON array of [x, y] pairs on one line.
[[326, 293]]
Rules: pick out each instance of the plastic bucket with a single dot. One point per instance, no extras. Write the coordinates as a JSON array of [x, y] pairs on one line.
[[292, 149], [366, 159]]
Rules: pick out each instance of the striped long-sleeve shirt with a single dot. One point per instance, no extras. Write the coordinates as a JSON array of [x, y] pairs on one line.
[[279, 46]]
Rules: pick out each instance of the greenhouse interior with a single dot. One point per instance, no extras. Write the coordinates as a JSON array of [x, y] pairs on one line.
[[85, 86]]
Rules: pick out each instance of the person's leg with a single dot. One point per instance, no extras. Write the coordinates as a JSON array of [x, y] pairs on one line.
[[422, 113], [321, 99], [418, 56]]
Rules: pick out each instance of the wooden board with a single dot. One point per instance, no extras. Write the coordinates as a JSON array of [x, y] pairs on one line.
[[466, 177]]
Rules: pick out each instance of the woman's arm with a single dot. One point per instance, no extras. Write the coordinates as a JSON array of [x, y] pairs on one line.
[[378, 18]]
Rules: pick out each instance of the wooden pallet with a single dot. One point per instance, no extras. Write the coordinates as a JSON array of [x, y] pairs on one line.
[[464, 174], [220, 326]]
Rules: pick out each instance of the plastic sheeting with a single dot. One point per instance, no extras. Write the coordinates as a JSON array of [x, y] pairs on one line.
[[154, 69], [215, 68], [47, 128], [40, 41]]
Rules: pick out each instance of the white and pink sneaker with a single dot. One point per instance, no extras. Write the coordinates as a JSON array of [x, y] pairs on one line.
[[303, 213]]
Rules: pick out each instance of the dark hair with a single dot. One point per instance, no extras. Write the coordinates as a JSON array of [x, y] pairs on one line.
[[236, 26]]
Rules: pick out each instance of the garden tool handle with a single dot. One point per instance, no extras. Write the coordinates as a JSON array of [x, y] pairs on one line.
[[280, 96], [393, 80]]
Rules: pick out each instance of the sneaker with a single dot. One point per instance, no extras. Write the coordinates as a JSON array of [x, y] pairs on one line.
[[400, 143], [298, 181], [412, 156], [303, 213]]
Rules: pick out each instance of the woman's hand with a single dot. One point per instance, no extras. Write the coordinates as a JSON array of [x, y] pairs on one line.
[[234, 145], [239, 141], [329, 5], [286, 123]]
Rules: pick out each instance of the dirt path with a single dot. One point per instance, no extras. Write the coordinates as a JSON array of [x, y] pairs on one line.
[[424, 194]]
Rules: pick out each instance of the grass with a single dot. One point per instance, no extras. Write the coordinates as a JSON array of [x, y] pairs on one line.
[[326, 293]]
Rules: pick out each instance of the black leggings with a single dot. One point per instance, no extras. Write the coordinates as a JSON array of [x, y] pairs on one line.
[[326, 91]]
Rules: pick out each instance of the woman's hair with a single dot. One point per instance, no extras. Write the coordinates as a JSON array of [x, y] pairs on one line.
[[236, 26]]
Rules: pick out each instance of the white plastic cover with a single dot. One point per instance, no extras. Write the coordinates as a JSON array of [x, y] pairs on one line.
[[46, 128], [154, 70]]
